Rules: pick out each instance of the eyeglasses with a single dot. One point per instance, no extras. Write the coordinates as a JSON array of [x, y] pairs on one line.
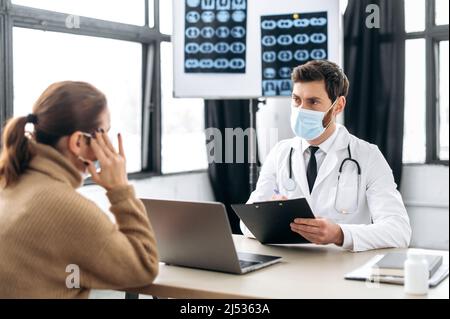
[[88, 137]]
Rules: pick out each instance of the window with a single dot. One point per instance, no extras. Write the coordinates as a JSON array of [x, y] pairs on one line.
[[99, 9], [183, 135], [112, 66], [426, 131], [443, 101], [183, 142], [118, 51], [414, 149], [442, 12], [165, 10], [414, 15]]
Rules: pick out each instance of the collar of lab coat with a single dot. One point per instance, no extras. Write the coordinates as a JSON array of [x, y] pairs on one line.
[[341, 141]]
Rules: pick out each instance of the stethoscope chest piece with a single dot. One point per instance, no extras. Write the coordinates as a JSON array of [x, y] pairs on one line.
[[290, 184]]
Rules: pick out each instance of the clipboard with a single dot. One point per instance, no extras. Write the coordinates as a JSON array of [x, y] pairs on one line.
[[270, 221]]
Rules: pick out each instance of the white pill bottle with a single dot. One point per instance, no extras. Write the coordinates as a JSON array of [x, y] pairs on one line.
[[416, 273]]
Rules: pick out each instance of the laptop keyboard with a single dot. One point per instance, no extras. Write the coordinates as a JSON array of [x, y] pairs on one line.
[[245, 263]]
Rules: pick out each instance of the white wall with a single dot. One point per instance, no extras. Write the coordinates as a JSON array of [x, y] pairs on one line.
[[425, 192], [425, 188]]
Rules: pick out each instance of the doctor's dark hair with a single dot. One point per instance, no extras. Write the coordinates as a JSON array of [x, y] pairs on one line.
[[62, 109], [336, 82]]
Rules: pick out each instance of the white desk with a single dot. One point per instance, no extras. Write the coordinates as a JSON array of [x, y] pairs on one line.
[[306, 271]]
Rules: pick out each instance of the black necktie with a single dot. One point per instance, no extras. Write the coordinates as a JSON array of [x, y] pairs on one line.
[[311, 172]]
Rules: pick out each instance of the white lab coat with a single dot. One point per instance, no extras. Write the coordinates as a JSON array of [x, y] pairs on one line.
[[380, 219]]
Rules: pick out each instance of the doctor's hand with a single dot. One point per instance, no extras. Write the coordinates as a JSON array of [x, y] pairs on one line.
[[319, 231], [278, 197]]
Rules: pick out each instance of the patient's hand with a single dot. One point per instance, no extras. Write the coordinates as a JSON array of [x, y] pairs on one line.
[[112, 162]]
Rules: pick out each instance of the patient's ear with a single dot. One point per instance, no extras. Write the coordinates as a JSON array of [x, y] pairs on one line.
[[74, 143]]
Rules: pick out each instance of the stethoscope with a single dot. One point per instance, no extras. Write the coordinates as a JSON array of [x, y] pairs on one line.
[[290, 184]]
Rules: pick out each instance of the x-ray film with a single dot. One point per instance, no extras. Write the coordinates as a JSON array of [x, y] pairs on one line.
[[288, 41], [215, 36]]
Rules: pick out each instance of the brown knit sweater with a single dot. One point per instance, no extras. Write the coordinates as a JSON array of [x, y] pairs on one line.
[[46, 225]]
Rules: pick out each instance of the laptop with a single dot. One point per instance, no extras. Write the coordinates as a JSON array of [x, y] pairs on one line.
[[198, 235]]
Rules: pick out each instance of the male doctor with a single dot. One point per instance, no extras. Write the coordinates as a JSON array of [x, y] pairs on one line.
[[346, 181]]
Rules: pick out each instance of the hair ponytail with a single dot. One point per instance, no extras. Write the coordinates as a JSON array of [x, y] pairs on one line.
[[15, 155]]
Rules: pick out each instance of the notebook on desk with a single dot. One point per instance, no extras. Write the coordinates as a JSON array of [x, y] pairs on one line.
[[364, 273], [392, 264]]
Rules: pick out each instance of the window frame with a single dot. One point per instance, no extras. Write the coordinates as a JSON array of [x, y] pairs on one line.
[[433, 35], [12, 15]]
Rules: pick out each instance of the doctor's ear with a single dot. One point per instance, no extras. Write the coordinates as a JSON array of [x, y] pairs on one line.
[[340, 105]]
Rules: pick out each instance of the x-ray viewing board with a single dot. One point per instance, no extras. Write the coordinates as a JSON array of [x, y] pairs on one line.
[[228, 49]]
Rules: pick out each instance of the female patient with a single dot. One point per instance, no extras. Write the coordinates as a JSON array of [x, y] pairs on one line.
[[54, 243]]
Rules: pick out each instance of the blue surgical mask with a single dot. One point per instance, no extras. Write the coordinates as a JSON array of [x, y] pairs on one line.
[[308, 124], [97, 165], [86, 174]]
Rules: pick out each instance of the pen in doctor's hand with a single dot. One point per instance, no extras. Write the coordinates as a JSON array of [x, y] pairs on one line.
[[278, 196]]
